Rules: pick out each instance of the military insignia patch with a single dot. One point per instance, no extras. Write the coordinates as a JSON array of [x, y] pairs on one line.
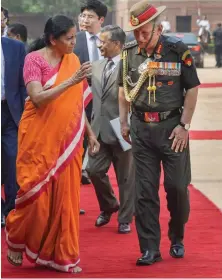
[[134, 21], [159, 84], [159, 48], [188, 62], [187, 58]]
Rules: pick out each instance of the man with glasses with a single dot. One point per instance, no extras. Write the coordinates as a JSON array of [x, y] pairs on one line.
[[159, 81], [106, 108], [93, 14]]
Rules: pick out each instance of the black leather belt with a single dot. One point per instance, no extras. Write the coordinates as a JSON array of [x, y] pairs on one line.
[[156, 116]]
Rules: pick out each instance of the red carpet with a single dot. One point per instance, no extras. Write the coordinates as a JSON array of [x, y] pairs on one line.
[[211, 85], [206, 135], [106, 254]]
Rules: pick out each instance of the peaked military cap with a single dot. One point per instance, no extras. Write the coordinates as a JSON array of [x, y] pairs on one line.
[[142, 13]]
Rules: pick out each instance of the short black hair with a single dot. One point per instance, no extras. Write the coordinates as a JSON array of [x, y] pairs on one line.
[[19, 29], [219, 24], [116, 33], [95, 5]]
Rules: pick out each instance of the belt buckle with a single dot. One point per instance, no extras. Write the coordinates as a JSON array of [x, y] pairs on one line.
[[164, 114], [151, 117]]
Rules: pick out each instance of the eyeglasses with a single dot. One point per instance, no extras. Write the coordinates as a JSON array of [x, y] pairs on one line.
[[88, 17]]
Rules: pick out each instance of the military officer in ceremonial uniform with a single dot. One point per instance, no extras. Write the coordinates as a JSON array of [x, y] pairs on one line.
[[159, 85]]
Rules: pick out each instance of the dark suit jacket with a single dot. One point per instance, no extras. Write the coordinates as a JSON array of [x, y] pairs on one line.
[[81, 48], [15, 91]]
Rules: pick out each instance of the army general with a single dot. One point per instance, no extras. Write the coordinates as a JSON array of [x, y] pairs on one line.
[[159, 85]]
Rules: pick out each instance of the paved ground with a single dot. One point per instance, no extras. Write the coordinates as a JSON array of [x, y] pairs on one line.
[[206, 155]]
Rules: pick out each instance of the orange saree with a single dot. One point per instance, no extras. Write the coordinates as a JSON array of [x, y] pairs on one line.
[[45, 222]]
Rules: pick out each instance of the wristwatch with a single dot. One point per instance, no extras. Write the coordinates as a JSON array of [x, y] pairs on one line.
[[185, 126]]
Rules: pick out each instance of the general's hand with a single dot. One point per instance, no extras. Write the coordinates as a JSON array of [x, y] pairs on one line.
[[125, 132], [84, 71], [180, 136], [94, 145]]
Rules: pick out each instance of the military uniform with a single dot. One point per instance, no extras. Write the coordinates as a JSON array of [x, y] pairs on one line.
[[156, 111], [218, 46]]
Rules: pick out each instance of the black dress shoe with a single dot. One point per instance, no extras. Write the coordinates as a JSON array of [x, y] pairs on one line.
[[85, 180], [149, 257], [103, 219], [105, 216], [2, 221], [124, 228], [82, 212], [177, 250]]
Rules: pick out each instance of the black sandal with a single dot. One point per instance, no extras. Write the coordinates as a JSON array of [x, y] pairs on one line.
[[13, 263]]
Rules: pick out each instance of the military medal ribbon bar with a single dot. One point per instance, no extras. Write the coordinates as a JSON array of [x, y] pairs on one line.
[[164, 68]]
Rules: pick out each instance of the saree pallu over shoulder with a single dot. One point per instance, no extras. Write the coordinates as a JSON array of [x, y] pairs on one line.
[[50, 136]]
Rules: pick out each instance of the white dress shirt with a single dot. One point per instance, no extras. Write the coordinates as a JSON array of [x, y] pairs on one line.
[[90, 45]]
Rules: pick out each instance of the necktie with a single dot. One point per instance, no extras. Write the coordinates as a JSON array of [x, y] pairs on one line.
[[107, 71], [95, 54]]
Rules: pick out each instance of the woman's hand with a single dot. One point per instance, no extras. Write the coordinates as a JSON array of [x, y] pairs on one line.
[[93, 145], [180, 136], [84, 71]]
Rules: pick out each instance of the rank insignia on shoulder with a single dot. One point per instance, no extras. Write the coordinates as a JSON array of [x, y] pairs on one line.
[[157, 56], [130, 44]]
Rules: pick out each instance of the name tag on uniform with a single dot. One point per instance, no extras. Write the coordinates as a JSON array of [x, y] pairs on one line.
[[164, 68]]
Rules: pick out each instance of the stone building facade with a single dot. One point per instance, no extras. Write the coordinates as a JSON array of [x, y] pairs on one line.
[[176, 11]]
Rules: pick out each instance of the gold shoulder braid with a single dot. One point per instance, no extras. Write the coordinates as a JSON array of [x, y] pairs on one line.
[[131, 95]]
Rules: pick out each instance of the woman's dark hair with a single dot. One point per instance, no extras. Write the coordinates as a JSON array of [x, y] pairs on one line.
[[95, 5], [56, 27]]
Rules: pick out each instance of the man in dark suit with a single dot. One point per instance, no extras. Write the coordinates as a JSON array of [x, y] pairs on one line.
[[93, 13], [106, 108], [13, 96]]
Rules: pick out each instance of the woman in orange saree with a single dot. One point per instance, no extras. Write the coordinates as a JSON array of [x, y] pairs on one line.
[[45, 222]]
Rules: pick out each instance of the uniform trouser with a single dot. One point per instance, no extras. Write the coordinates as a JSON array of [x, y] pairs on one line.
[[218, 54], [151, 146], [97, 169]]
